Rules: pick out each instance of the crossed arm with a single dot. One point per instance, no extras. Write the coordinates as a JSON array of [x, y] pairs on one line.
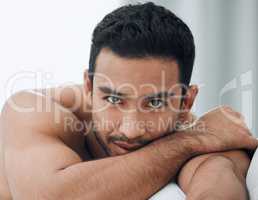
[[59, 173], [218, 176]]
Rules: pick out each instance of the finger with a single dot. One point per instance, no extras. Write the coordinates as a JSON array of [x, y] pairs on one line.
[[232, 112], [244, 130], [243, 125], [232, 115], [242, 120], [237, 114], [250, 143]]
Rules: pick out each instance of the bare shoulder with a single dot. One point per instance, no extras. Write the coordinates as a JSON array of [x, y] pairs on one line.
[[36, 142], [31, 112], [72, 97]]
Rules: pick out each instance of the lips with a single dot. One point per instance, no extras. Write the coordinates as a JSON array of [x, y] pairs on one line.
[[126, 146]]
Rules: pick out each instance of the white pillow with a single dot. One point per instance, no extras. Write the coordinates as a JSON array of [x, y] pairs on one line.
[[170, 191]]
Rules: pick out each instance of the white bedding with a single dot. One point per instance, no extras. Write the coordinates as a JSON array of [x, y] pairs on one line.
[[170, 191]]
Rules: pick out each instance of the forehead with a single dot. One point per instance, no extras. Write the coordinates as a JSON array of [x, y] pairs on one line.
[[140, 73]]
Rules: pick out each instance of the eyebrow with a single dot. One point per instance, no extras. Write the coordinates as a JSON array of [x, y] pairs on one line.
[[162, 94], [108, 90]]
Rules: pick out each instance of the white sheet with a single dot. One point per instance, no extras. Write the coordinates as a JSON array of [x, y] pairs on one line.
[[171, 191]]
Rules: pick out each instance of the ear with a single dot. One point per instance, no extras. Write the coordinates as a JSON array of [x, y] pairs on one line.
[[188, 101], [88, 87]]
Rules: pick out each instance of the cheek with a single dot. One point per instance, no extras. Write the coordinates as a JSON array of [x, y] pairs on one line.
[[106, 120], [160, 123]]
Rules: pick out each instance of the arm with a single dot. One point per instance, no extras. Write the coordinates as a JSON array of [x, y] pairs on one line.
[[211, 175], [36, 151]]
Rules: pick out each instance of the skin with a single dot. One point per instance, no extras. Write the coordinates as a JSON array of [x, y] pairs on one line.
[[51, 161]]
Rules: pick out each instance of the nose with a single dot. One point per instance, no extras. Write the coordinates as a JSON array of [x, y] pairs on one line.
[[132, 126]]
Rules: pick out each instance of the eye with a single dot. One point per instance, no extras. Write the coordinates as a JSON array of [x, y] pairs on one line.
[[113, 99], [156, 103]]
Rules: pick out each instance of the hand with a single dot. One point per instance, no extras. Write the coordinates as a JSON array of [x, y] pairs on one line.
[[222, 129]]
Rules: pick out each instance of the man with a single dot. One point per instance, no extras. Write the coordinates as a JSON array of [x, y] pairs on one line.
[[127, 131]]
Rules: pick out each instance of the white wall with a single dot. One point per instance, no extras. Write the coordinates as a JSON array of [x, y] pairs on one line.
[[46, 43]]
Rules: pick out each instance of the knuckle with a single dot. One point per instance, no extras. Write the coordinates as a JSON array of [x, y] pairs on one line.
[[238, 115], [226, 108]]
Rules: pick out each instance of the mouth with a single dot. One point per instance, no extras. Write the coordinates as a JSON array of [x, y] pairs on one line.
[[126, 146]]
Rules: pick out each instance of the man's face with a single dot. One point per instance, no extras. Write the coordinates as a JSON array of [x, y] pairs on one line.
[[134, 101]]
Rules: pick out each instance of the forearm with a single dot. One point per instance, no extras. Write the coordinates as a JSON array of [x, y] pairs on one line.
[[136, 175], [60, 174], [217, 178], [202, 173]]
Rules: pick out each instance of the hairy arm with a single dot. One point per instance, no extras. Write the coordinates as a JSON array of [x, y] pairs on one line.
[[214, 174], [41, 161], [42, 157]]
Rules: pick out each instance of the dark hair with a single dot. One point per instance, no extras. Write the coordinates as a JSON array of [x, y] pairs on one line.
[[145, 30]]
